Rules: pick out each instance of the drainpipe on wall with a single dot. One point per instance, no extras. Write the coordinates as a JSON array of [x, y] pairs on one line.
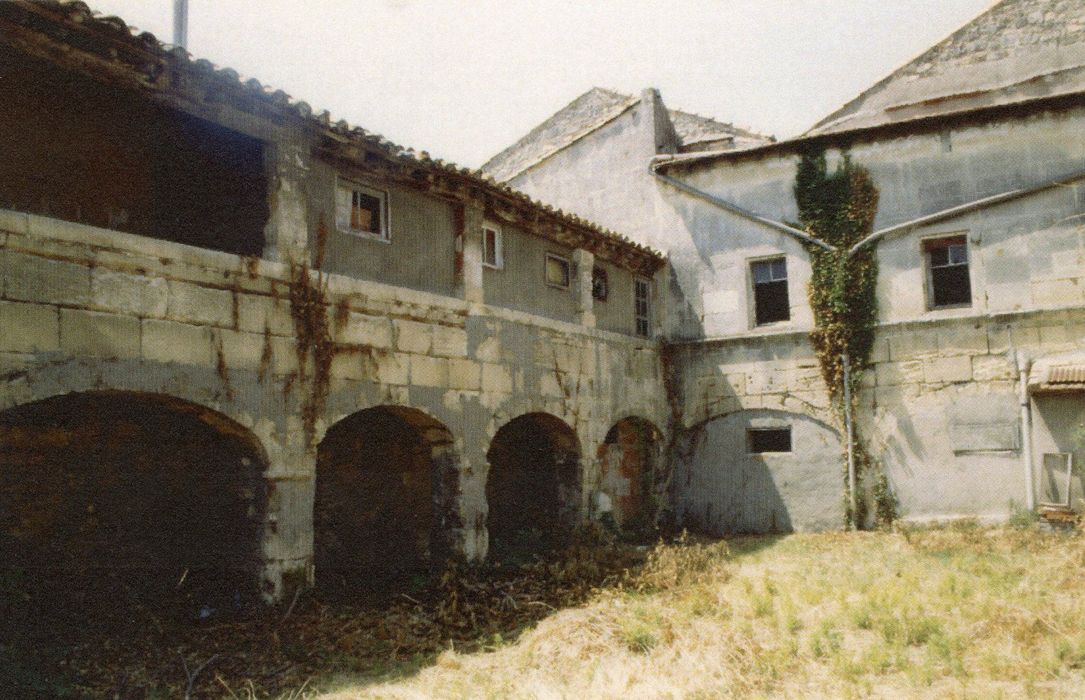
[[1023, 366]]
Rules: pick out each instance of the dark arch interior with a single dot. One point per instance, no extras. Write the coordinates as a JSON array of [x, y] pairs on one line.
[[533, 486], [113, 501], [628, 459], [383, 478]]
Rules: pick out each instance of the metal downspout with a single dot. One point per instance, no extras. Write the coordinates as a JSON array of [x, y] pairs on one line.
[[1023, 366], [735, 209]]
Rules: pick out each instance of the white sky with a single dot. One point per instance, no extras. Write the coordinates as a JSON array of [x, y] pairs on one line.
[[465, 79]]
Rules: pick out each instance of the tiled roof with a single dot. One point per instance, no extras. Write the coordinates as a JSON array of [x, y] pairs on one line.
[[1018, 50], [592, 110], [106, 36]]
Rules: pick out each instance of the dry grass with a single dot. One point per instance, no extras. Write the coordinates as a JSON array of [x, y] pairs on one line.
[[955, 612]]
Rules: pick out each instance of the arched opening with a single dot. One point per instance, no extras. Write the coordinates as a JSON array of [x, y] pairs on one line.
[[386, 478], [758, 471], [113, 502], [533, 487], [628, 459]]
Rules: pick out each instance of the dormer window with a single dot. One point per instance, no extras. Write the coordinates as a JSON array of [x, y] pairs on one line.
[[361, 210]]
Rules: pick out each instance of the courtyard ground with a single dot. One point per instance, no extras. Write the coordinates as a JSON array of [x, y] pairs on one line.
[[959, 611]]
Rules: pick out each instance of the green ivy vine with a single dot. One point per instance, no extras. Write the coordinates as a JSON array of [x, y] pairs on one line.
[[838, 207]]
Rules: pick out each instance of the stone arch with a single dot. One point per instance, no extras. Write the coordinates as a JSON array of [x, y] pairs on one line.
[[533, 486], [385, 505], [723, 485], [629, 460], [109, 494]]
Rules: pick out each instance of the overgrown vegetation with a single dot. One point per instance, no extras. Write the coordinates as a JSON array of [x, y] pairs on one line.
[[309, 311], [838, 207], [953, 612], [956, 612]]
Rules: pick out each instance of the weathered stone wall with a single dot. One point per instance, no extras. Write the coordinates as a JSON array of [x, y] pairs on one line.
[[84, 308]]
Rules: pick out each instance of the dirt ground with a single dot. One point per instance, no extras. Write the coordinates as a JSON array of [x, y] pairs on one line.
[[65, 640]]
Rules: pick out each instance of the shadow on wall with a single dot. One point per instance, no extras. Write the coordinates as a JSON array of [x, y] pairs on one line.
[[757, 472], [385, 491], [533, 486]]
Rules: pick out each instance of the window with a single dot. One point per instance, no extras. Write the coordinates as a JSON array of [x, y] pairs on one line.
[[947, 272], [361, 210], [599, 287], [641, 309], [491, 247], [770, 291], [761, 440], [557, 271]]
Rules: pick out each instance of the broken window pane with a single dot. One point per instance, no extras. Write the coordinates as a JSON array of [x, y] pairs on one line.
[[557, 271], [947, 272], [771, 302]]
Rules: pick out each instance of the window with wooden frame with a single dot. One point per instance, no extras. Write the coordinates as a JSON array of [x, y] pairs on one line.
[[770, 300], [948, 283], [642, 291], [361, 210], [557, 271], [492, 253]]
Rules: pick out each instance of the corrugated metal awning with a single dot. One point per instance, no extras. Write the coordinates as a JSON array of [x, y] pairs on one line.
[[1058, 373]]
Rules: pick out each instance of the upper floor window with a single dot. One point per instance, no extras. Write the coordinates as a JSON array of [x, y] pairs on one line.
[[361, 210], [599, 286], [770, 291], [557, 271], [491, 247], [641, 309], [947, 272]]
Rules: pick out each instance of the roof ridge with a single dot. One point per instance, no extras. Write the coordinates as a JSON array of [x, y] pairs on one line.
[[837, 114]]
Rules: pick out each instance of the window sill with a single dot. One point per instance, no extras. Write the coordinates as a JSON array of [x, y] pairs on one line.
[[366, 235]]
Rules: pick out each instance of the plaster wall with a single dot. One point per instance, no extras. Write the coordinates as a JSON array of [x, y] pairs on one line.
[[521, 283], [720, 487], [1025, 254], [420, 250]]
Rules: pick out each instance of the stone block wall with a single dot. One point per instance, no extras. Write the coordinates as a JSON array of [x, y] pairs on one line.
[[87, 309]]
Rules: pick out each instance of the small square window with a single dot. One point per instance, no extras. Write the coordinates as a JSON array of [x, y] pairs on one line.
[[599, 286], [947, 272], [361, 210], [763, 440], [641, 307], [557, 271], [491, 247], [770, 298]]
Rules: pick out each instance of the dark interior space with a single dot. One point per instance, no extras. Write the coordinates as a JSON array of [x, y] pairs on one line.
[[87, 152], [628, 457], [381, 479], [533, 486], [113, 501]]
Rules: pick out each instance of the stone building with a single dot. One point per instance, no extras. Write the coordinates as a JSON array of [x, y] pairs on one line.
[[306, 354], [973, 401], [239, 337]]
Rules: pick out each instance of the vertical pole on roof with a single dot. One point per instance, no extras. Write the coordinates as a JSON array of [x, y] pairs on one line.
[[180, 23], [849, 428]]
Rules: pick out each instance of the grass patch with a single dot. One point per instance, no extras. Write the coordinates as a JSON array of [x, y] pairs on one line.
[[941, 612]]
